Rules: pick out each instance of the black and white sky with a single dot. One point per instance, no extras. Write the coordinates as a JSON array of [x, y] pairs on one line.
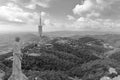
[[59, 15]]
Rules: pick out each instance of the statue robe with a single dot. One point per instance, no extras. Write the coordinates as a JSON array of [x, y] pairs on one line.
[[16, 69]]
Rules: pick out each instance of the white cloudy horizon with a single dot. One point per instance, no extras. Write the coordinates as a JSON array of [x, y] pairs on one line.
[[58, 15]]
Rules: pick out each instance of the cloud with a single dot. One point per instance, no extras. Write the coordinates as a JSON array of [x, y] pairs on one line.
[[47, 22], [44, 14], [70, 17], [83, 23], [92, 7], [42, 3], [31, 4], [97, 15], [10, 12], [13, 13], [86, 6], [93, 14], [52, 24]]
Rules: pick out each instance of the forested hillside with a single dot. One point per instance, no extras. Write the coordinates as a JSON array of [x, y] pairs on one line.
[[64, 58]]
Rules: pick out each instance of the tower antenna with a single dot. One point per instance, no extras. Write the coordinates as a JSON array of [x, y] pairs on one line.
[[40, 19], [40, 26]]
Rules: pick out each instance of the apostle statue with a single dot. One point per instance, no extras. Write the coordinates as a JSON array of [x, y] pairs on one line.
[[16, 67]]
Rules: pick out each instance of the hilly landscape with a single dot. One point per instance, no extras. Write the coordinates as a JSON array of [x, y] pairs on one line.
[[7, 39], [68, 57]]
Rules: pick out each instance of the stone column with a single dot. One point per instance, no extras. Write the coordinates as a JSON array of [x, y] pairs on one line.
[[16, 67]]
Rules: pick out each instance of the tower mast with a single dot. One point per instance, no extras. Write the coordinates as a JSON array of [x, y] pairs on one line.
[[40, 27]]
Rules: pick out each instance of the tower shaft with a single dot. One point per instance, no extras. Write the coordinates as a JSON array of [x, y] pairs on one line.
[[40, 31], [40, 27]]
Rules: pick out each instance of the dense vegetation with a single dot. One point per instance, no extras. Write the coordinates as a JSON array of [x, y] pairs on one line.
[[63, 59]]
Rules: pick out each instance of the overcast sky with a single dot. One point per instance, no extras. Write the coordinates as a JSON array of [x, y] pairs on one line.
[[58, 15]]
